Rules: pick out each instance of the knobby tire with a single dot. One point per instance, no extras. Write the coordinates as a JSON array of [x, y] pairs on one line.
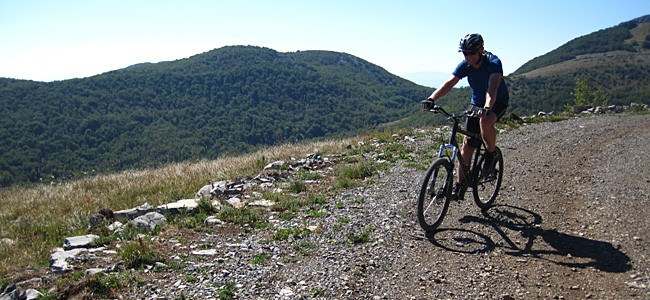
[[486, 188], [435, 194]]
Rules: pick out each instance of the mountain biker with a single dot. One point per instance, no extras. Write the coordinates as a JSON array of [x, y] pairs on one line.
[[484, 73]]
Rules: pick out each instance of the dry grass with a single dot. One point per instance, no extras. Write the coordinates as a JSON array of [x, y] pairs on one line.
[[38, 218], [590, 61], [639, 33]]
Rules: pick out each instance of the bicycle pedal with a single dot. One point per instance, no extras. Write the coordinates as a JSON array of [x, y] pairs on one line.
[[459, 195]]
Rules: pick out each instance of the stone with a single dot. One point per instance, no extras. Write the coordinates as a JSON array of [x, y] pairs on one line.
[[149, 221], [60, 257], [214, 220], [276, 165], [82, 241], [31, 294], [262, 203], [9, 293], [94, 271], [578, 109], [7, 242], [117, 225], [204, 191], [130, 214], [185, 204], [206, 252], [235, 202]]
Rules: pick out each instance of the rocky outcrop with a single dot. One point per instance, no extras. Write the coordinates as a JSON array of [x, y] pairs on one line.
[[589, 110], [237, 193], [13, 293], [145, 218]]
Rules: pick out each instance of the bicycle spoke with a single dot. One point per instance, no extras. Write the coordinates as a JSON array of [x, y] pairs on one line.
[[487, 180], [486, 188], [434, 195]]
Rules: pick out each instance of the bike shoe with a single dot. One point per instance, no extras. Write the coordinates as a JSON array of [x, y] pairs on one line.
[[459, 192]]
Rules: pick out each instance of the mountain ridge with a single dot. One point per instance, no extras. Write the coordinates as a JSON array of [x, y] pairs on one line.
[[614, 60], [235, 99], [604, 40], [225, 101]]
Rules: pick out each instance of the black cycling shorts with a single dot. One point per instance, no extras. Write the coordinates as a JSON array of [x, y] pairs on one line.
[[473, 124]]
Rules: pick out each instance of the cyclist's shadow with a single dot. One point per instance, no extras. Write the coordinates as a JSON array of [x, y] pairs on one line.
[[560, 248]]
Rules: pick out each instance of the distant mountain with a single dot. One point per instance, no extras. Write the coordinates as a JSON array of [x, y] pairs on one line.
[[616, 60], [236, 99], [225, 101]]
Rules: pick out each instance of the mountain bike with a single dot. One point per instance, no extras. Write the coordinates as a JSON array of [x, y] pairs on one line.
[[436, 190]]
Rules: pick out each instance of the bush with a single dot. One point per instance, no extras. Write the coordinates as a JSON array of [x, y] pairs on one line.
[[359, 170], [137, 254], [249, 216], [585, 95]]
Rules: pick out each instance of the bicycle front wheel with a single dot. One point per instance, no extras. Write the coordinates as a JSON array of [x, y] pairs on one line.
[[487, 186], [435, 194]]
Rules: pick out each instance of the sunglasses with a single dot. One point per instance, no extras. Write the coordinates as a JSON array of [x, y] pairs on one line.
[[470, 53]]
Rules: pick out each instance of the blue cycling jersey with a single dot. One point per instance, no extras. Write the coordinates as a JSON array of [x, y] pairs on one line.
[[478, 79]]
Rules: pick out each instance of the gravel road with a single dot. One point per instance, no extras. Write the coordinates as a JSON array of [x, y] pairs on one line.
[[571, 222]]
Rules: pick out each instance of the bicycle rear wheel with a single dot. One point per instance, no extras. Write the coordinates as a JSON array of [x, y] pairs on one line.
[[435, 194], [487, 186]]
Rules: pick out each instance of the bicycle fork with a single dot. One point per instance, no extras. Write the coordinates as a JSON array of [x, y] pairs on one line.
[[464, 169], [444, 153], [444, 148]]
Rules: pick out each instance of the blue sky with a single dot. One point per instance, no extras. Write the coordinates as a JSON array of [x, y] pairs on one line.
[[47, 40]]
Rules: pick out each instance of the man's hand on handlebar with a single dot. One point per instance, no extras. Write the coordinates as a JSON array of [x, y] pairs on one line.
[[482, 112], [477, 112], [427, 104]]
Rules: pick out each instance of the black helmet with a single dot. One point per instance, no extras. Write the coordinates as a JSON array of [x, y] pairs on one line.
[[470, 42]]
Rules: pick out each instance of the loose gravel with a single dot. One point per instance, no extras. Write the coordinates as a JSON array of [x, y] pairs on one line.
[[571, 222]]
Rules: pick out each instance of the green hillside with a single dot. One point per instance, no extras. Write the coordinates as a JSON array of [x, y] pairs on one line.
[[226, 101], [236, 99], [615, 60]]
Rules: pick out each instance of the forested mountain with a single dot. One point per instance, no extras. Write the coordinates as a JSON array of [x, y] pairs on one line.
[[615, 60], [224, 101], [234, 99]]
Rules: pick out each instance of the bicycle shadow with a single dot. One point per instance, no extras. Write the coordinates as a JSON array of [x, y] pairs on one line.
[[550, 245]]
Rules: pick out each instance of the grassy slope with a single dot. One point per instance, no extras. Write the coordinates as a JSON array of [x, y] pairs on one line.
[[613, 58]]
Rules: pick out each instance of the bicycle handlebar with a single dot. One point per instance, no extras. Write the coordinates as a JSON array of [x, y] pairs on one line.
[[474, 112]]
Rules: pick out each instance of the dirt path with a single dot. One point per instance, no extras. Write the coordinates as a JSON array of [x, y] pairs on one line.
[[572, 221]]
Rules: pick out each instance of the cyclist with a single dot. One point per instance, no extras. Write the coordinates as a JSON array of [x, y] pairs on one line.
[[484, 73]]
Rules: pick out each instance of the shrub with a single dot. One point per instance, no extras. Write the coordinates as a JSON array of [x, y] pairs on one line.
[[260, 259], [359, 239], [137, 254], [248, 216], [287, 234], [228, 291], [585, 95]]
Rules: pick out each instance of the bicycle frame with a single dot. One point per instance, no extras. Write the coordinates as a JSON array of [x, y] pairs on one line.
[[453, 146]]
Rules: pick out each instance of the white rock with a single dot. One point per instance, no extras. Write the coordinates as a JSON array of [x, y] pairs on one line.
[[206, 252]]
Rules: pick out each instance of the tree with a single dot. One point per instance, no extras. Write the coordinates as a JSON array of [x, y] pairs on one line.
[[585, 95]]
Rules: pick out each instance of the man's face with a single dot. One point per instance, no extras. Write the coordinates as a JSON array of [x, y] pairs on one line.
[[473, 57]]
